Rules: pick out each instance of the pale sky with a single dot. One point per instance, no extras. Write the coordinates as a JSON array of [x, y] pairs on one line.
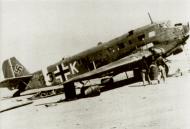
[[41, 32]]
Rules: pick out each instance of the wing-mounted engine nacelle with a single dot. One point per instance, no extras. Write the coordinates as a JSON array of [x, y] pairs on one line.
[[178, 50], [184, 28]]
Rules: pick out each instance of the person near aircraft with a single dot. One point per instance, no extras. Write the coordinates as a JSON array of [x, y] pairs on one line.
[[161, 67], [145, 71], [153, 70]]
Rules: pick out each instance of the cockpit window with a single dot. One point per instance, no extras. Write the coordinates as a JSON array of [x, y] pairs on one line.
[[151, 34], [165, 24], [130, 32], [178, 24]]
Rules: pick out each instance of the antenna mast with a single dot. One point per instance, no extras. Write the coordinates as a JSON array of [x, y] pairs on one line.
[[150, 18]]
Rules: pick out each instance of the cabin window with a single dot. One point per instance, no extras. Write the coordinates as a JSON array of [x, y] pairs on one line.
[[165, 25], [121, 45], [80, 61], [151, 34], [141, 37], [178, 24], [130, 32], [130, 42]]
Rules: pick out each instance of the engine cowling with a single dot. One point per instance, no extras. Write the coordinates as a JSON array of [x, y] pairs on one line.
[[178, 50]]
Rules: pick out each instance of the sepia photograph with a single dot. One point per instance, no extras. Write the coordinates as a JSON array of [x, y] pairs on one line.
[[94, 64]]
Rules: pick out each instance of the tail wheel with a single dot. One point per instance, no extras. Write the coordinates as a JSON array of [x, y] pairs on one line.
[[17, 93], [90, 91]]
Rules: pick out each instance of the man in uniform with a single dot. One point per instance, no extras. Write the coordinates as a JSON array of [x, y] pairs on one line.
[[161, 67], [144, 71]]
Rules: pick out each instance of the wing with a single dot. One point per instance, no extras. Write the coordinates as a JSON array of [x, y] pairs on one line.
[[13, 83], [126, 63]]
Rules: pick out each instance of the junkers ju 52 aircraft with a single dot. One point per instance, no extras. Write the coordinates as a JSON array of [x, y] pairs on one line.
[[119, 55], [105, 60]]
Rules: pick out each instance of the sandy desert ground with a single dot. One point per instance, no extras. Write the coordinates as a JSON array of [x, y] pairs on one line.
[[163, 106]]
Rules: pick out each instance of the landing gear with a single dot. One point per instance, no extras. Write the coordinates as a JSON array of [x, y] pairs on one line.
[[90, 91], [70, 92]]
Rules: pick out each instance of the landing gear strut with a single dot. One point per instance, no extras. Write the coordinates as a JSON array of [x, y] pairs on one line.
[[70, 92]]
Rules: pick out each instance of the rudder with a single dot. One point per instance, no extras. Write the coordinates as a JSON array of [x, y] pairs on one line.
[[13, 68]]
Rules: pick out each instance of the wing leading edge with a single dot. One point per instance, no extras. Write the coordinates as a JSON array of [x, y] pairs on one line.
[[118, 65]]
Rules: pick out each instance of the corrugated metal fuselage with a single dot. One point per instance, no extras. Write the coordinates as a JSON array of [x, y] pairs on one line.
[[150, 36]]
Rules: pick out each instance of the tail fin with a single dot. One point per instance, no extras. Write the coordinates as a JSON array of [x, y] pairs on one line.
[[13, 68]]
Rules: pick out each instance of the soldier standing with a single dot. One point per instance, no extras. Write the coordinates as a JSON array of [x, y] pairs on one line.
[[144, 71], [161, 67]]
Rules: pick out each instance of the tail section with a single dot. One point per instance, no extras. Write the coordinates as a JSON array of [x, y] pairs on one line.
[[13, 68]]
